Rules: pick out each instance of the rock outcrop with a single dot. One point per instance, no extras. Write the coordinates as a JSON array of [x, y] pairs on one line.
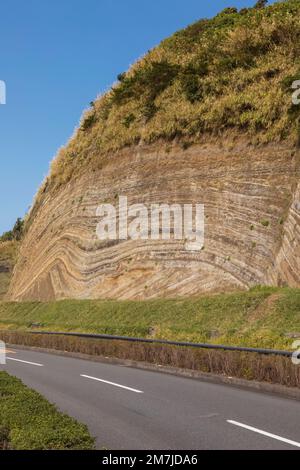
[[252, 209], [205, 117]]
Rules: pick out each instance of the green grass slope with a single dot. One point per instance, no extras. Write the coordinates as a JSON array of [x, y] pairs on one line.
[[262, 317]]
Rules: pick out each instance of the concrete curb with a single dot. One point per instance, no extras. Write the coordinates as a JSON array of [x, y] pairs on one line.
[[275, 389]]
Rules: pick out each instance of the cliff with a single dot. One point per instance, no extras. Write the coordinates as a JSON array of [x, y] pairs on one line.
[[205, 117]]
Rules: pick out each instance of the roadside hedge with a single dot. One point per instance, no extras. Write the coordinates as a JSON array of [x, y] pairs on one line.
[[29, 422]]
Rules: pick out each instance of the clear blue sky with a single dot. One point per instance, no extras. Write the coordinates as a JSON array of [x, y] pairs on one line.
[[57, 56]]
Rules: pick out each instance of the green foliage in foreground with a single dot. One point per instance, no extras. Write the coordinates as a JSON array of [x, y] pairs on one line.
[[29, 422], [261, 317]]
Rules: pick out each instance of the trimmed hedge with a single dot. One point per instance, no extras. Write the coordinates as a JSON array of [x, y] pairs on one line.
[[29, 422]]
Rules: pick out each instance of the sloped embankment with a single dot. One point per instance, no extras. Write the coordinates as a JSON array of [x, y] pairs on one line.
[[262, 317]]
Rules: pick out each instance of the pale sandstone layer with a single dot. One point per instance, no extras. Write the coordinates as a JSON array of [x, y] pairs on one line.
[[252, 235]]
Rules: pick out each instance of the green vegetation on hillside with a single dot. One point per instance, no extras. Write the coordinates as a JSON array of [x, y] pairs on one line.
[[29, 422], [8, 255], [15, 234], [229, 75], [262, 317], [9, 244]]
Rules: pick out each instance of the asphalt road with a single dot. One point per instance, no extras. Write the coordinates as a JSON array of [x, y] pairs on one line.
[[127, 408]]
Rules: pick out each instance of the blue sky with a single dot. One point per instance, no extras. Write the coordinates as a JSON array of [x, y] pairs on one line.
[[57, 56]]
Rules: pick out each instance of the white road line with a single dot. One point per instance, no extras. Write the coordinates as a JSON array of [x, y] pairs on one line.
[[264, 433], [25, 362], [111, 383]]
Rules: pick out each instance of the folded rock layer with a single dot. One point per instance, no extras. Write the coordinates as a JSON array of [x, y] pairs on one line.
[[252, 212]]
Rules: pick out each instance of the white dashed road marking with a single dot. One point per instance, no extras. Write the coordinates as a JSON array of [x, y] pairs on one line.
[[264, 433], [25, 362], [112, 383]]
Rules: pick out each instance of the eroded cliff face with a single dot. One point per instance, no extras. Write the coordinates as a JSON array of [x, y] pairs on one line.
[[252, 236]]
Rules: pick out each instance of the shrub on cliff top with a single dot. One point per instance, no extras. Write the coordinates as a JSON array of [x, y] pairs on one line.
[[151, 80], [261, 4]]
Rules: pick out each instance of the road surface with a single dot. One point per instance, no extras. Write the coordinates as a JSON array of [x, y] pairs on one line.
[[127, 408]]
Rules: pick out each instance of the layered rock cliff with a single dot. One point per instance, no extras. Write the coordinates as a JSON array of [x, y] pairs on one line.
[[206, 117], [252, 210]]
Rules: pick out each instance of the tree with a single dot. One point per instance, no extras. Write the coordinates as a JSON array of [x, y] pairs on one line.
[[18, 229], [15, 234], [229, 11], [261, 4], [121, 77], [6, 237]]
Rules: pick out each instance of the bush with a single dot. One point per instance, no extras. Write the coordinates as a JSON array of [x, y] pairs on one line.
[[260, 4], [88, 121], [29, 422], [18, 229], [265, 223], [149, 81], [229, 11], [128, 120], [192, 32], [244, 11], [16, 233], [121, 76], [191, 86], [189, 78], [7, 236]]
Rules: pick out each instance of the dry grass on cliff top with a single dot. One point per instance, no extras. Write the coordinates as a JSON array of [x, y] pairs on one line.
[[262, 317], [230, 74]]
